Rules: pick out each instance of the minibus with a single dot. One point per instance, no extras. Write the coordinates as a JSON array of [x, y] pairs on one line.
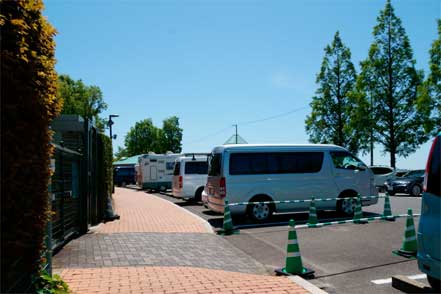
[[256, 173]]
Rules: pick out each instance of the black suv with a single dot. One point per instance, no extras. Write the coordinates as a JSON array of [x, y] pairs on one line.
[[410, 183], [123, 176]]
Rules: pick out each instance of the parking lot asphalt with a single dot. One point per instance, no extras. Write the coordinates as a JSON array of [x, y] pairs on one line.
[[349, 258]]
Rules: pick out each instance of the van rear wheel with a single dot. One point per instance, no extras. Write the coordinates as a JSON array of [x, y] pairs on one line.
[[198, 195], [260, 212]]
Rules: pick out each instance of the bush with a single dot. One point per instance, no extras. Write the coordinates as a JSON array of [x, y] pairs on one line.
[[47, 284], [29, 104]]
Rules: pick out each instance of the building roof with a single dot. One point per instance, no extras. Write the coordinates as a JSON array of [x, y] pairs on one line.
[[128, 160], [234, 140]]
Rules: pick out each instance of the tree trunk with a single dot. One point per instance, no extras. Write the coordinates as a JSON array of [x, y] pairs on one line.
[[392, 157]]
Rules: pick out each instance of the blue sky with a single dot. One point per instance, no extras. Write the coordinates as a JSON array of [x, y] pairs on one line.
[[216, 63]]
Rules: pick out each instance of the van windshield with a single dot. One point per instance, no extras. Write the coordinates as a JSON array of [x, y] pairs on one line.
[[214, 167], [177, 169]]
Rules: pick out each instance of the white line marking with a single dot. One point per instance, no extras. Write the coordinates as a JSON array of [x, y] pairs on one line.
[[389, 280]]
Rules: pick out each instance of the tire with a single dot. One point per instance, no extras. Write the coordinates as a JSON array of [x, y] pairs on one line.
[[434, 283], [260, 212], [391, 193], [198, 194], [415, 190], [346, 206]]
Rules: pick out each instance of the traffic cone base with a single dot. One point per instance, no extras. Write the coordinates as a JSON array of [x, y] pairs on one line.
[[305, 272], [407, 254]]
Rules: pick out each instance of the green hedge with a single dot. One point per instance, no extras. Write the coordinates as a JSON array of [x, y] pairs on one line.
[[29, 103]]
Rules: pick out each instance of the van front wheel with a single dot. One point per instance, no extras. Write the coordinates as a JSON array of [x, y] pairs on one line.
[[346, 206]]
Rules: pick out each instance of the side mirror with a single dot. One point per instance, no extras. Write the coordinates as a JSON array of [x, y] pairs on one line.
[[361, 167]]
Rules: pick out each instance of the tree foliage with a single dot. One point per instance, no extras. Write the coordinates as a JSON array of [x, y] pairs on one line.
[[172, 135], [331, 120], [429, 100], [29, 103], [144, 137], [389, 80], [81, 99]]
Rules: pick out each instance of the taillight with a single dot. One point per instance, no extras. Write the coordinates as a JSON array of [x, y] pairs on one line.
[[429, 160], [222, 187], [180, 182]]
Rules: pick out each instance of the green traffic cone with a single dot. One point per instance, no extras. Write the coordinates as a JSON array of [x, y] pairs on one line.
[[293, 264], [312, 220], [387, 212], [409, 247], [358, 213], [227, 228]]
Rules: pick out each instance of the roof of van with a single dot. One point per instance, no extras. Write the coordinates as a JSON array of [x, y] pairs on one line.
[[190, 158], [275, 146]]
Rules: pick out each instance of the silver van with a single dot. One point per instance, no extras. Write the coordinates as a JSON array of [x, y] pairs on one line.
[[251, 173], [189, 177]]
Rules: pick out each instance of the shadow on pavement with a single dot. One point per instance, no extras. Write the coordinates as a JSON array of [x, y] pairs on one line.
[[283, 219]]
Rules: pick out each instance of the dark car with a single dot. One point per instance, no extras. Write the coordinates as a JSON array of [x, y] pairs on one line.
[[123, 176], [410, 183]]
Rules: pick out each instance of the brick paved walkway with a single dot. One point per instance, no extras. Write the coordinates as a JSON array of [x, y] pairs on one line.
[[158, 247], [142, 212], [136, 249], [174, 280]]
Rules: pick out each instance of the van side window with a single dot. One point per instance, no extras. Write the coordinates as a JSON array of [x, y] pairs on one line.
[[434, 172], [196, 168], [248, 163], [345, 160], [215, 161], [275, 163]]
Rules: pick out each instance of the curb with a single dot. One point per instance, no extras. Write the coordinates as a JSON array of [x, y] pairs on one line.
[[206, 224], [306, 285]]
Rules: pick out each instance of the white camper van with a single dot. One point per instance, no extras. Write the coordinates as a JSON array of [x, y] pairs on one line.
[[252, 173], [190, 176], [156, 170]]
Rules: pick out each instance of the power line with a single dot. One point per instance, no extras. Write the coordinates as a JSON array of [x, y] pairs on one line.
[[248, 123], [210, 135], [272, 117]]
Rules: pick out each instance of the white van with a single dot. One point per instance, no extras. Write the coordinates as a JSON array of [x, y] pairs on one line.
[[190, 177], [156, 170], [251, 173]]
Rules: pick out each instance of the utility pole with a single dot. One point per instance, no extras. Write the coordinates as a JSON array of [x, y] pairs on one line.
[[236, 132], [110, 123]]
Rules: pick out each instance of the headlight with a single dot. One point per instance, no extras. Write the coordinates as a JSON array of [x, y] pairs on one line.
[[402, 182]]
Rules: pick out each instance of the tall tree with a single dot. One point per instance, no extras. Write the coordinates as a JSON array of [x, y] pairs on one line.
[[390, 80], [172, 134], [141, 138], [81, 99], [429, 100], [330, 118], [144, 137]]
